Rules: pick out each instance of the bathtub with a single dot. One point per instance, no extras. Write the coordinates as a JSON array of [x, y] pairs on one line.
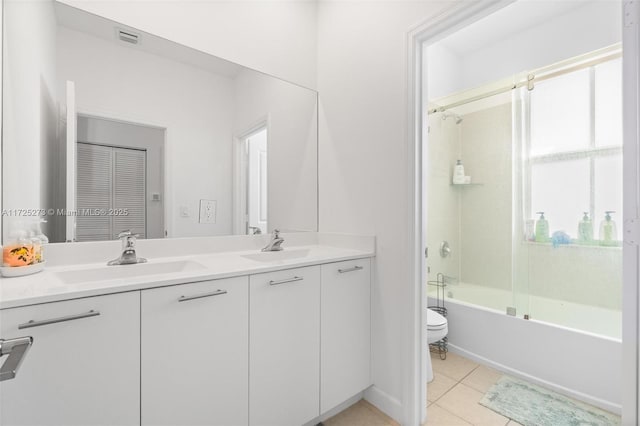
[[571, 348]]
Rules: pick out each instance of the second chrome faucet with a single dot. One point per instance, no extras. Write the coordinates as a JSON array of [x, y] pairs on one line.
[[275, 244]]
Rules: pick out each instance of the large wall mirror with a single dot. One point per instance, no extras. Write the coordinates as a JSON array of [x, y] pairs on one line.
[[107, 128]]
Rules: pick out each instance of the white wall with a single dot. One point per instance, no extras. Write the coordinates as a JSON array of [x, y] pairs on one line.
[[1, 102], [595, 25], [598, 24], [30, 111], [444, 70], [292, 200], [364, 163], [276, 37], [195, 106]]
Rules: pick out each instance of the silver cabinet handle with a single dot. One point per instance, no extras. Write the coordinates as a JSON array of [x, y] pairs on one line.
[[200, 296], [355, 268], [33, 323], [16, 349], [288, 280]]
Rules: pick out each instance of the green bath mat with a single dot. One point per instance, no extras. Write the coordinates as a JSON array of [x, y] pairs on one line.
[[532, 405]]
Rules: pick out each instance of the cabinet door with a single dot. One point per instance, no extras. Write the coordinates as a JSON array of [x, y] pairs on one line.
[[195, 354], [83, 367], [285, 347], [346, 331]]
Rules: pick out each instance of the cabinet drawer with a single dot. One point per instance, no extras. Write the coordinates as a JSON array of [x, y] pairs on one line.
[[285, 347], [195, 354], [83, 367]]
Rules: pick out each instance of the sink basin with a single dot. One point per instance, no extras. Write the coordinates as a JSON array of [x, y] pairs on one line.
[[107, 273], [274, 256]]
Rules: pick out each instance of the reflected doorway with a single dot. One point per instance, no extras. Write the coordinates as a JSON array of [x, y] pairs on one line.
[[256, 178]]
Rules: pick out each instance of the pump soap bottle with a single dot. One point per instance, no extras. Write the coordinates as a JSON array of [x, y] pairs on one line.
[[608, 231], [542, 229], [585, 229], [458, 173]]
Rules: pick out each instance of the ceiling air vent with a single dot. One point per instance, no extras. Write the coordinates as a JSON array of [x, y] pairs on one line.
[[128, 36]]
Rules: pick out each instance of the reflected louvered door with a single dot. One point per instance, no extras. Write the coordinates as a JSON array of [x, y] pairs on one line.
[[111, 192], [94, 190], [129, 189]]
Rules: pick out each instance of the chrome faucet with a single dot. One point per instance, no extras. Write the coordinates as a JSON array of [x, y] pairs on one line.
[[128, 256], [275, 243]]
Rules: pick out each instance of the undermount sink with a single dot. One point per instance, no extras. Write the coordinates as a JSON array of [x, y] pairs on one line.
[[106, 273], [273, 256]]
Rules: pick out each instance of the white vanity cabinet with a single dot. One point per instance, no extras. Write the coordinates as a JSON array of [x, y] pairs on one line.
[[195, 354], [284, 381], [277, 348], [345, 331], [83, 367]]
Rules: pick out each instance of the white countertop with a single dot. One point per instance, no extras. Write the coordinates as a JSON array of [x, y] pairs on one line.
[[49, 286]]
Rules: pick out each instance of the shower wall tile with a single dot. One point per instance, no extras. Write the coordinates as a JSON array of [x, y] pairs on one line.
[[485, 225], [586, 275], [443, 204]]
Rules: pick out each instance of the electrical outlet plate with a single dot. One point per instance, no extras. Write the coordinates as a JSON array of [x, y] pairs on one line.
[[208, 211]]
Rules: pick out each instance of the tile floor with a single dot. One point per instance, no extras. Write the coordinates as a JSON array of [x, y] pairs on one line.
[[454, 394], [452, 398], [360, 414]]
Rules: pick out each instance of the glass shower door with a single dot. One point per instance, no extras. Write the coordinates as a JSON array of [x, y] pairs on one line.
[[522, 228]]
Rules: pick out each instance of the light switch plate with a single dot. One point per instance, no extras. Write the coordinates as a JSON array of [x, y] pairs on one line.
[[208, 211]]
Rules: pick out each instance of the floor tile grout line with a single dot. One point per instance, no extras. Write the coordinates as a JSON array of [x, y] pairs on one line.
[[466, 385], [469, 373], [458, 382], [453, 414], [446, 392]]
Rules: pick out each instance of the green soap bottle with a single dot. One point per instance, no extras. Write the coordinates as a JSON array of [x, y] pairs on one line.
[[585, 229], [608, 231], [542, 229]]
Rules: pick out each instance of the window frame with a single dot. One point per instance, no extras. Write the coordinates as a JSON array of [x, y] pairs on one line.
[[592, 152]]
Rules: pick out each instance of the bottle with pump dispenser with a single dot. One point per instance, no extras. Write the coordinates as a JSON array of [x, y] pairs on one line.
[[542, 229], [585, 229], [608, 231], [458, 173]]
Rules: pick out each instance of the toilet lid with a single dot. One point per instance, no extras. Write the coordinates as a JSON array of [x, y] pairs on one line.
[[435, 320]]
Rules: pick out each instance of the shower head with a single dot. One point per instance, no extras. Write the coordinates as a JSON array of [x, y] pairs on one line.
[[453, 115]]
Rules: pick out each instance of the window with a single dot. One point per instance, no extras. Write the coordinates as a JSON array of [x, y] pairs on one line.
[[574, 160]]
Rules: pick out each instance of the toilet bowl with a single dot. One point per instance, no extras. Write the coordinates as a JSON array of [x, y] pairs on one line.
[[437, 329], [437, 326]]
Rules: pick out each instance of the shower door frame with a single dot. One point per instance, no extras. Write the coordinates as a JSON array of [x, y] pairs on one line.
[[452, 19], [631, 202]]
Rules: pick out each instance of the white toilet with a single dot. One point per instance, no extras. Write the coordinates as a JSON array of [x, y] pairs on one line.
[[437, 329]]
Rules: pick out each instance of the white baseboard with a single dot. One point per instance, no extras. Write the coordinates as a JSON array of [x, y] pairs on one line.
[[606, 405], [384, 402]]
